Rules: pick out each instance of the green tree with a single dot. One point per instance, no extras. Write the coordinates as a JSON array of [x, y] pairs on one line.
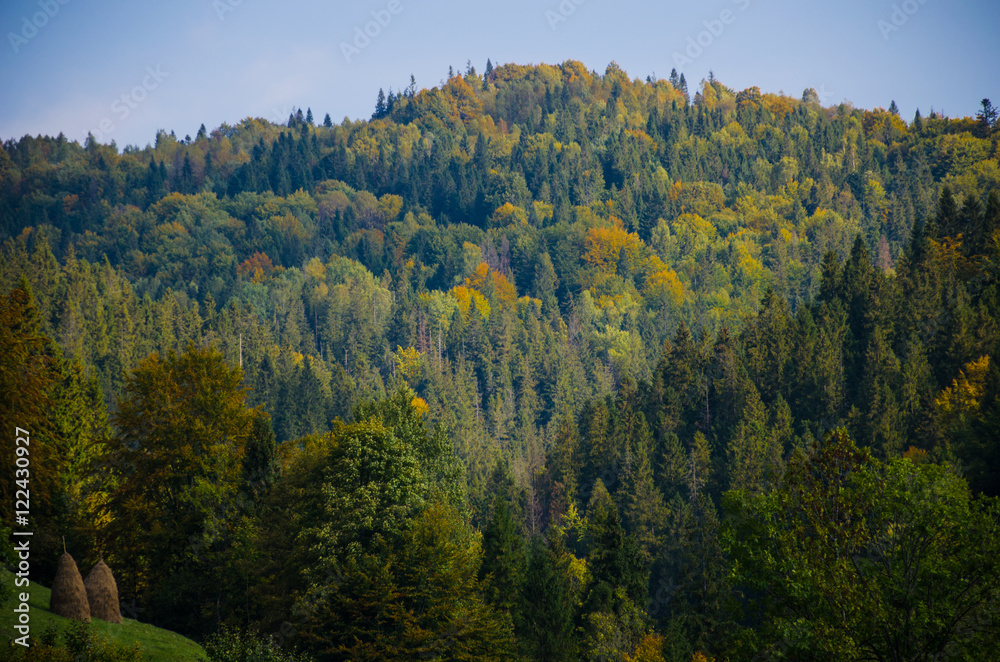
[[857, 559], [57, 413], [432, 448], [612, 613], [420, 600], [27, 376], [174, 469], [545, 624], [986, 118], [504, 560]]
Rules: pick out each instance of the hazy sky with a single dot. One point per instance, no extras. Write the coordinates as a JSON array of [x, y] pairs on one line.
[[123, 69]]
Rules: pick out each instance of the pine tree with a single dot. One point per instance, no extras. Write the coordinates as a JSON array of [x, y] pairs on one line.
[[766, 343], [946, 220], [187, 184], [986, 118], [644, 506], [260, 463], [487, 77], [327, 122], [545, 626], [755, 455], [881, 428], [564, 467], [504, 561], [615, 559], [209, 167]]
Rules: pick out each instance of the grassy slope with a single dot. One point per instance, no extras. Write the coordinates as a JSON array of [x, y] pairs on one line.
[[158, 645]]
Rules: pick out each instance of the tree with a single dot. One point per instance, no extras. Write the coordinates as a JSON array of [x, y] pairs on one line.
[[175, 463], [504, 560], [364, 554], [619, 576], [754, 454], [857, 559], [432, 448], [545, 627], [55, 416], [327, 122], [27, 376], [986, 118], [186, 181], [488, 75], [419, 600], [546, 283], [946, 220], [694, 592]]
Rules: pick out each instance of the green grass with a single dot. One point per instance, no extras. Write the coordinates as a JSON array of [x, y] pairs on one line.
[[157, 644]]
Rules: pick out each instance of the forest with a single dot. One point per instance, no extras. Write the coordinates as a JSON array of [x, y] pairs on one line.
[[537, 364]]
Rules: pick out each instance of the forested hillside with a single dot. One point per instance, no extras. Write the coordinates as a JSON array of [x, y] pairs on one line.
[[538, 364]]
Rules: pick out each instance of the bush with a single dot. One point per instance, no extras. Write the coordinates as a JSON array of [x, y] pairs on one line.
[[86, 646], [236, 646], [81, 645]]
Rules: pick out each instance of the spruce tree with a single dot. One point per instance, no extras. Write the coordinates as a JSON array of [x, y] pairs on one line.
[[504, 560], [545, 627]]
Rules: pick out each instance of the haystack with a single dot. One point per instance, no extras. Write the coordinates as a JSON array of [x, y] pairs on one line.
[[102, 593], [69, 596]]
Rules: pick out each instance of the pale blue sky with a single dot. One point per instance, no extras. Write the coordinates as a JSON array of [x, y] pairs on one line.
[[223, 60]]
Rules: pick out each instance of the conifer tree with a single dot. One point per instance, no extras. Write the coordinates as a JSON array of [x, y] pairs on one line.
[[504, 560]]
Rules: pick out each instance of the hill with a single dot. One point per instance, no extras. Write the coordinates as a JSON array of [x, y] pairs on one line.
[[526, 364], [157, 644]]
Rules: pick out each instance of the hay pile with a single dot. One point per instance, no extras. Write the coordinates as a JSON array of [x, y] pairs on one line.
[[69, 596], [102, 594]]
